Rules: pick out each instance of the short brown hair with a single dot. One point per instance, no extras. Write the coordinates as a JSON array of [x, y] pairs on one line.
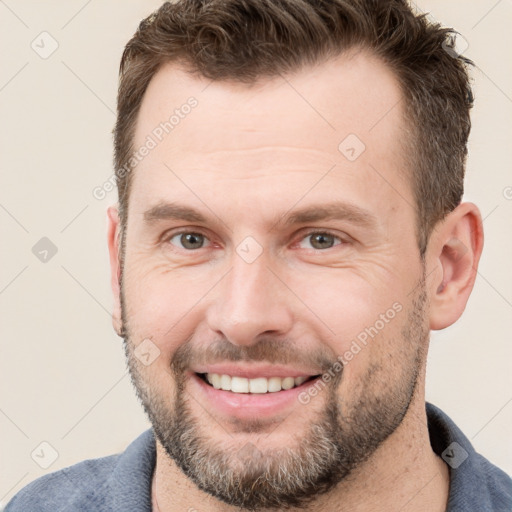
[[246, 40]]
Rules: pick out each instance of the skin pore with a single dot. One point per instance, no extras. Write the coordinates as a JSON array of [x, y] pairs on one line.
[[245, 171]]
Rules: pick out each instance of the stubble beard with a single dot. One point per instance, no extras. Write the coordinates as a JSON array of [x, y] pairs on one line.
[[339, 439]]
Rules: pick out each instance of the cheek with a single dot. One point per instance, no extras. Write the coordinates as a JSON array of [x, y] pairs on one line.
[[162, 304], [357, 311], [345, 300], [362, 321]]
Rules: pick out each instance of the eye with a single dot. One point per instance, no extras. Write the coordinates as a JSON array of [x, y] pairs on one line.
[[189, 240], [319, 241]]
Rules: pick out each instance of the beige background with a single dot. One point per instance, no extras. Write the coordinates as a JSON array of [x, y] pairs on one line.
[[63, 379]]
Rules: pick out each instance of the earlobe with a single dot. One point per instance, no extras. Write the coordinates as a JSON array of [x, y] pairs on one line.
[[113, 233], [456, 249]]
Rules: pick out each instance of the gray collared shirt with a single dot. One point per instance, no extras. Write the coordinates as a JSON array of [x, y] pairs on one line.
[[122, 483]]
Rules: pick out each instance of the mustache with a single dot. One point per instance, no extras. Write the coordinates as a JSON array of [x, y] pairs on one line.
[[267, 349]]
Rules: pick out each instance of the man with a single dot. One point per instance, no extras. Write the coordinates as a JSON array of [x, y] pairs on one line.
[[289, 230]]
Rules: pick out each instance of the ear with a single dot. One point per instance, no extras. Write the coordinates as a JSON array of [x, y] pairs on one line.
[[454, 250], [115, 265]]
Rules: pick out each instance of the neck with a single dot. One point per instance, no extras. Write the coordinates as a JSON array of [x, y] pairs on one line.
[[403, 474]]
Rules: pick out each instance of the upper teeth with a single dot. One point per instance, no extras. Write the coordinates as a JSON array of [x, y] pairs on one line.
[[258, 385]]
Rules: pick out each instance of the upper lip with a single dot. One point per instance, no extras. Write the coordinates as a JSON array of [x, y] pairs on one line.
[[253, 371]]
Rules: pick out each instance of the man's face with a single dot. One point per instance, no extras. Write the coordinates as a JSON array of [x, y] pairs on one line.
[[277, 253]]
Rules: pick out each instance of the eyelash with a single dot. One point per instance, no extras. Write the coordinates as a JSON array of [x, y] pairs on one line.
[[167, 238]]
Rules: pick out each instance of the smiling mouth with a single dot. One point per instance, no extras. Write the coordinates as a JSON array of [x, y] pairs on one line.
[[259, 385]]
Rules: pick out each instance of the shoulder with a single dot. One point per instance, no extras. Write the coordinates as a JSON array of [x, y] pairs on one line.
[[496, 482], [59, 489], [475, 483], [115, 482]]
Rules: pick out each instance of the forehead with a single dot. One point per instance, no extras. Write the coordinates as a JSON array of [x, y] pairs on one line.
[[304, 122], [344, 93]]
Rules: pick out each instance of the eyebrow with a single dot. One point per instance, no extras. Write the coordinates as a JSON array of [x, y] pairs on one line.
[[330, 211], [172, 211]]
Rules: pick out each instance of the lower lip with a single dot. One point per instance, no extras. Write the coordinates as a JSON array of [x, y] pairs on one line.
[[247, 405]]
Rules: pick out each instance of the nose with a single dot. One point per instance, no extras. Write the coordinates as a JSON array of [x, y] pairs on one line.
[[250, 302]]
